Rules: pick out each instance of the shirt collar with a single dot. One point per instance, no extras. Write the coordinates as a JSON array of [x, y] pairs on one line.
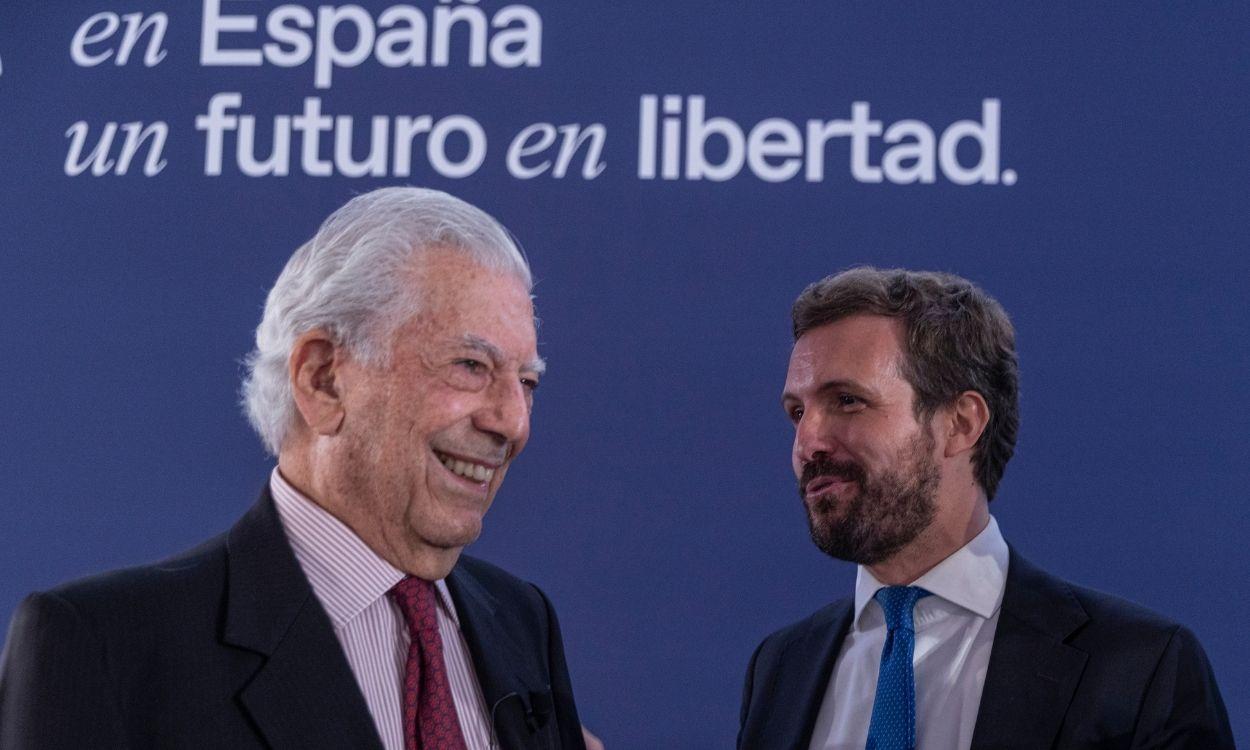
[[346, 576], [973, 577]]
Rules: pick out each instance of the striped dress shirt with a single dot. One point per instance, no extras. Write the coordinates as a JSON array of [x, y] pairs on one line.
[[352, 582]]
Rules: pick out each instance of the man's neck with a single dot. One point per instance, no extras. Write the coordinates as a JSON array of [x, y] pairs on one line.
[[943, 538], [420, 560]]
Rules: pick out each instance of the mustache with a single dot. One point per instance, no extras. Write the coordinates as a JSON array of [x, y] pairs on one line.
[[823, 466]]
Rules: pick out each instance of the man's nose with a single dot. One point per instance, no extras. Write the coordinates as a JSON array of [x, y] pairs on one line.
[[506, 413], [815, 433]]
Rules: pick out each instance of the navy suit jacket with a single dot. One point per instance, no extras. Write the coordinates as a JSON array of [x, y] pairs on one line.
[[1069, 668], [227, 647]]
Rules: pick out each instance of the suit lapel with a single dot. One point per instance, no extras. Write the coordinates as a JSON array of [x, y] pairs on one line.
[[1032, 672], [802, 678], [304, 693], [517, 698]]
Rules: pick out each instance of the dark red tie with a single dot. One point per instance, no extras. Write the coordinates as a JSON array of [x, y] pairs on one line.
[[430, 721]]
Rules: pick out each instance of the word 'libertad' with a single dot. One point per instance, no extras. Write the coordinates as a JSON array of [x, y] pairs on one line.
[[673, 141]]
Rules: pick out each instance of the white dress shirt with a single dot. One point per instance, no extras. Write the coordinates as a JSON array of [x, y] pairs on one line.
[[352, 582], [954, 633]]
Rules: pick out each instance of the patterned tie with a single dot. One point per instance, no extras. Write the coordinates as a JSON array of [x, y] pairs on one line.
[[430, 721], [893, 724]]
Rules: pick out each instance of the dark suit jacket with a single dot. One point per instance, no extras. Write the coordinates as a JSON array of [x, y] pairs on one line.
[[1070, 668], [227, 647]]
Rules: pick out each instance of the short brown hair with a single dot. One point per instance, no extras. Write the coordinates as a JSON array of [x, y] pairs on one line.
[[957, 338]]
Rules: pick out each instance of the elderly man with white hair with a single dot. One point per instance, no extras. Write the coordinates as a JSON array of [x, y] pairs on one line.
[[393, 378]]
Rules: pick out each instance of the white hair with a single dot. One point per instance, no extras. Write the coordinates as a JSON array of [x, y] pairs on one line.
[[349, 281]]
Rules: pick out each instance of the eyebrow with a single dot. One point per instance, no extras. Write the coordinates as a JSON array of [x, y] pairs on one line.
[[473, 341], [834, 385]]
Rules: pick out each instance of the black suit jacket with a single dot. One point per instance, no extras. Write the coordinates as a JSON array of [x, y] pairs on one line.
[[227, 647], [1069, 668]]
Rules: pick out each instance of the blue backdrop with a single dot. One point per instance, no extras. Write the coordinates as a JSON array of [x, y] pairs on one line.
[[1106, 150]]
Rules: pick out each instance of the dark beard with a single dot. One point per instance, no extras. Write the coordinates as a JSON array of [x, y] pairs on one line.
[[889, 511]]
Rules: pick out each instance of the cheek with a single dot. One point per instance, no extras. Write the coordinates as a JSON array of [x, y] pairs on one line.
[[399, 444], [879, 448], [497, 480]]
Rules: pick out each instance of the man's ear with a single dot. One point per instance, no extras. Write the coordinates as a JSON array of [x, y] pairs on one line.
[[314, 372], [966, 421]]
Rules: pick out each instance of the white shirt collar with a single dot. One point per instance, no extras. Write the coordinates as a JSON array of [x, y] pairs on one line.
[[346, 575], [973, 577]]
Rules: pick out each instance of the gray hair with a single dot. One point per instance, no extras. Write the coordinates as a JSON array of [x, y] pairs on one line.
[[348, 281]]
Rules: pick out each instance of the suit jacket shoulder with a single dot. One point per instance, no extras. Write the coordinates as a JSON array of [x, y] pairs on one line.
[[137, 606], [221, 646], [1075, 667]]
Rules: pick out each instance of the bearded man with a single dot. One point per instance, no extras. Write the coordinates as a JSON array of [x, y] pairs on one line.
[[903, 392]]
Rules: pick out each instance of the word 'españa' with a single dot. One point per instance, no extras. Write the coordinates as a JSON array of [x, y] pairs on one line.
[[348, 35]]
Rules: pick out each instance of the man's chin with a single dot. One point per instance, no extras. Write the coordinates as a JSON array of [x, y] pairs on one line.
[[824, 528], [829, 508], [855, 543], [837, 536], [458, 530], [840, 547]]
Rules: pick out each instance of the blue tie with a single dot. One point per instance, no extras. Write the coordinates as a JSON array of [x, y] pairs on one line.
[[893, 725]]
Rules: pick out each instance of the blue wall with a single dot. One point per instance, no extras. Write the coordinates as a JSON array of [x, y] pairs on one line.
[[655, 502]]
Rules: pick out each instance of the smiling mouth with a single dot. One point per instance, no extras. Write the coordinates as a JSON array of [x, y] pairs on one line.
[[823, 484], [470, 470]]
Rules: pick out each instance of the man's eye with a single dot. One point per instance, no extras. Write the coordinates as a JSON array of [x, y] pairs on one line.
[[530, 384], [467, 374], [846, 399], [795, 414]]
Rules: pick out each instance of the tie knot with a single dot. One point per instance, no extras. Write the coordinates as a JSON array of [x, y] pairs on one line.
[[415, 598], [897, 603]]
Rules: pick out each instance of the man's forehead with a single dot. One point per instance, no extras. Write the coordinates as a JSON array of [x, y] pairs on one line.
[[856, 347], [446, 277]]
